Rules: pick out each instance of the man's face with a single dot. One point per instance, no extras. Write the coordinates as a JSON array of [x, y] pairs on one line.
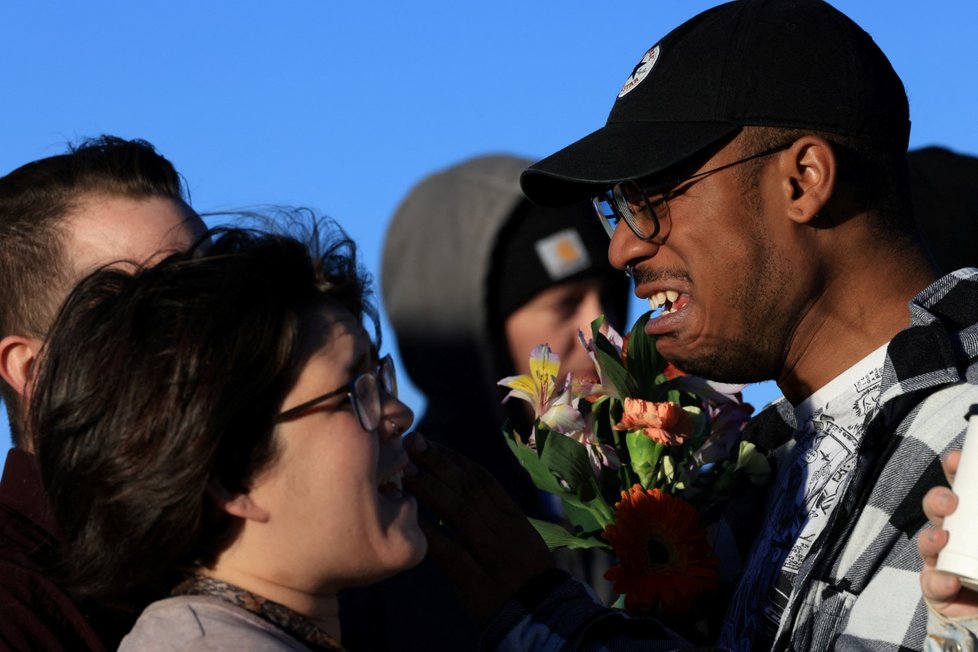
[[725, 266], [108, 228]]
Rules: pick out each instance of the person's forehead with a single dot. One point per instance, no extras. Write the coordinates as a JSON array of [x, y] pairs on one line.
[[106, 228], [328, 319], [333, 335]]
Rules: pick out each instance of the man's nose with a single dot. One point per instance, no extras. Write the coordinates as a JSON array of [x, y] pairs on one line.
[[627, 249]]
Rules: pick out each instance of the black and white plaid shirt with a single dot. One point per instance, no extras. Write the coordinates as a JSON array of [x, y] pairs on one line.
[[860, 588]]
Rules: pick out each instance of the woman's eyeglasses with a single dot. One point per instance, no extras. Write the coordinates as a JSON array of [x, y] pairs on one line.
[[364, 391]]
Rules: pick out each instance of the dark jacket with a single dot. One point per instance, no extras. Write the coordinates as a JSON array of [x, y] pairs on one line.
[[35, 613]]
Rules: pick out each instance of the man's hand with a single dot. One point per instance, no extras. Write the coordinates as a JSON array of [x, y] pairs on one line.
[[943, 590], [490, 550]]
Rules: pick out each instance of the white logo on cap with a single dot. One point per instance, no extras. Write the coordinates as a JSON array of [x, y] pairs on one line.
[[563, 254], [640, 72]]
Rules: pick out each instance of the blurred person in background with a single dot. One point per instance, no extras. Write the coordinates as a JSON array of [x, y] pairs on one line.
[[61, 217], [474, 277], [944, 189]]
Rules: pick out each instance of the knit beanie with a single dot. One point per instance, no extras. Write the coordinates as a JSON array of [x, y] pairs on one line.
[[541, 247]]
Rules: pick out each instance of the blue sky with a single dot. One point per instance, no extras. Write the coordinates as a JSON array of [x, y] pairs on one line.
[[341, 106]]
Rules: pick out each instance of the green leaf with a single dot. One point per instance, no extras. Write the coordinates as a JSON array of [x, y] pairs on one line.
[[601, 426], [614, 373], [568, 460], [701, 427], [542, 478], [644, 454], [596, 327], [601, 341], [754, 464], [643, 361], [613, 370], [586, 517], [556, 536], [542, 433], [667, 471], [591, 515]]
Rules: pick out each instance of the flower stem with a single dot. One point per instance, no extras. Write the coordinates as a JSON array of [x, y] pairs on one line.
[[624, 479]]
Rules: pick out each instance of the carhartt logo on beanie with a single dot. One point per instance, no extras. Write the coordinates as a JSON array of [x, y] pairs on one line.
[[541, 247], [562, 254]]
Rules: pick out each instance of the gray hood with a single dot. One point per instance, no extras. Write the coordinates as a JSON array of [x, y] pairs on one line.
[[435, 275]]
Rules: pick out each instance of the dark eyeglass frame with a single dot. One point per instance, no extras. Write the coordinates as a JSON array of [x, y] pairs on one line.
[[657, 209], [370, 383]]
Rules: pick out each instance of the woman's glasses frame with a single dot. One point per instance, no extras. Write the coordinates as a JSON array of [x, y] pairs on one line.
[[364, 392]]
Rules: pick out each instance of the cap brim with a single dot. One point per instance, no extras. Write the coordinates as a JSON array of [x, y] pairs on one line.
[[617, 152]]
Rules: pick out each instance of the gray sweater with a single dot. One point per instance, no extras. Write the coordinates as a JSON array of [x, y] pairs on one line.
[[205, 623]]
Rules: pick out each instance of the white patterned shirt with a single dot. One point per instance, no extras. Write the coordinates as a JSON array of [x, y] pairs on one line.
[[831, 423]]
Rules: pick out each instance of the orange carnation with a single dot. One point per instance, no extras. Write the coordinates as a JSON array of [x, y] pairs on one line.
[[666, 423]]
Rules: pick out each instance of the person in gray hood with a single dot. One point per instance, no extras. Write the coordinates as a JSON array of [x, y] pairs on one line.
[[473, 277]]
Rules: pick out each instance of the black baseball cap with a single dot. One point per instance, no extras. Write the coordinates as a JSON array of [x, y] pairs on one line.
[[778, 63]]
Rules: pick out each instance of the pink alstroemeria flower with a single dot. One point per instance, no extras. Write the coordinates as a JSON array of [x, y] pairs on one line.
[[710, 390], [599, 455], [587, 387], [666, 423], [728, 416], [727, 424], [561, 414]]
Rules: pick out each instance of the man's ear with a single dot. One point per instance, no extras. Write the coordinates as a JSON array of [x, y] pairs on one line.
[[810, 170], [236, 504], [17, 356]]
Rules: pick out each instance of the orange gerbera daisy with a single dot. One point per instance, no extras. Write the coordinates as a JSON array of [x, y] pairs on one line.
[[663, 556], [666, 423]]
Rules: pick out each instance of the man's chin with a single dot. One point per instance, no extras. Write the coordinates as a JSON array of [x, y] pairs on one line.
[[741, 370]]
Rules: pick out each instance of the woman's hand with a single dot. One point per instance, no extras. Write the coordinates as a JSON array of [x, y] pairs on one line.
[[488, 548]]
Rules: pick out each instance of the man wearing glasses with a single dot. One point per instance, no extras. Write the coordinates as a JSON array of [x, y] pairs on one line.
[[752, 177]]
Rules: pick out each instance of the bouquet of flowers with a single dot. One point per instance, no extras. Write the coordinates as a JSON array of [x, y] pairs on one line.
[[642, 457]]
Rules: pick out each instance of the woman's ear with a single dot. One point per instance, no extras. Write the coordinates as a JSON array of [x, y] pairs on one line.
[[17, 356], [236, 504], [811, 172]]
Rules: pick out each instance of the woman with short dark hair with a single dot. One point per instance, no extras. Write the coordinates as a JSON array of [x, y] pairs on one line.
[[219, 428]]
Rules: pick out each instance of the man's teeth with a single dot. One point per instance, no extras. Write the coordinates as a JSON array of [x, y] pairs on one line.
[[394, 479], [664, 300]]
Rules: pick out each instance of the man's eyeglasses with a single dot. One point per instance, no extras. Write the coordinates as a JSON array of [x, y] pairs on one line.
[[364, 391], [646, 210]]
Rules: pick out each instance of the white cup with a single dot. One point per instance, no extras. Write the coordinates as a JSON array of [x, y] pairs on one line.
[[960, 555]]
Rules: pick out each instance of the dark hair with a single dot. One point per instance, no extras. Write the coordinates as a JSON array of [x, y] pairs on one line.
[[874, 174], [154, 385], [35, 199]]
